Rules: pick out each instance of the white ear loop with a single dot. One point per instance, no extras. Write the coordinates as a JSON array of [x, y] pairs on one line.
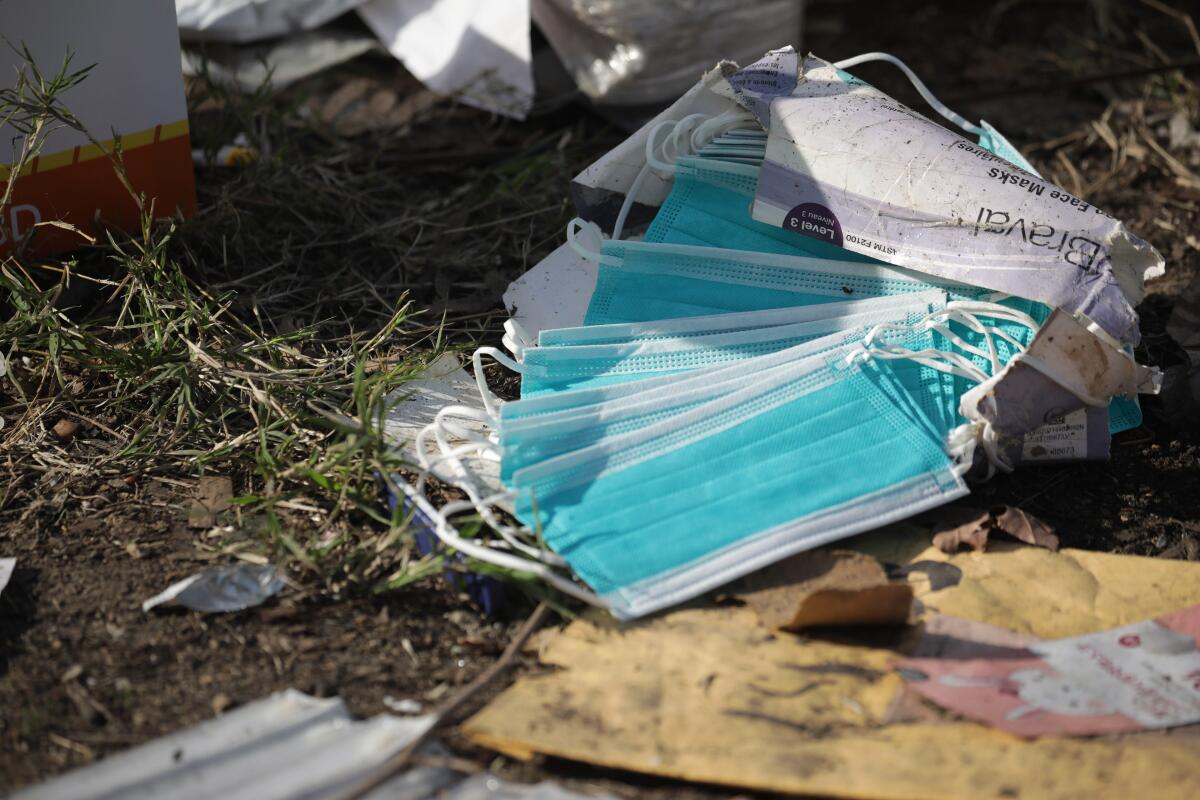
[[516, 339], [967, 313], [589, 251], [477, 446], [685, 137], [442, 425], [929, 97], [491, 402], [450, 537], [962, 440], [721, 124]]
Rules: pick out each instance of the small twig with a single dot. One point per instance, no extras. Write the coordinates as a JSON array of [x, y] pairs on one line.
[[1183, 17], [404, 758], [1076, 180]]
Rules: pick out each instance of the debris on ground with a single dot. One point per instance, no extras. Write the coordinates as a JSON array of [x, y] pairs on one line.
[[65, 429], [1144, 676], [238, 153], [931, 351], [624, 55], [288, 745], [792, 309], [221, 589], [708, 694], [957, 527], [210, 499]]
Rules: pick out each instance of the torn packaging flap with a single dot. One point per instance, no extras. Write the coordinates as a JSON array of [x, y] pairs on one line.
[[553, 294], [849, 165], [825, 588], [1067, 367], [599, 190]]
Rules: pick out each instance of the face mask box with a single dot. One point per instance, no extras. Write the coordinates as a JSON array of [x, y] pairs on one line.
[[134, 91]]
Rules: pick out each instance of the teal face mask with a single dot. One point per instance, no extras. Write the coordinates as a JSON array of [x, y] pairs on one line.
[[810, 451], [624, 333], [553, 418], [577, 366], [527, 438], [642, 281], [709, 206], [812, 454]]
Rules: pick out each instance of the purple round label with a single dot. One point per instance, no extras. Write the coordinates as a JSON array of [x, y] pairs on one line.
[[815, 220]]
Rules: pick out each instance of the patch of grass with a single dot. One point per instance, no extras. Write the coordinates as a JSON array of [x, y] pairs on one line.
[[262, 339]]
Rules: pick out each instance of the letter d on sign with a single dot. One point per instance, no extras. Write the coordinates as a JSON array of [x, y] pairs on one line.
[[14, 217]]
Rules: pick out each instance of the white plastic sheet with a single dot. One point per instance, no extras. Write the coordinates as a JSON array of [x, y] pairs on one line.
[[476, 50], [620, 52], [285, 747], [252, 20], [288, 746]]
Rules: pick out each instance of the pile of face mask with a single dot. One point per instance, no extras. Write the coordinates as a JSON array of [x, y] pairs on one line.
[[736, 394]]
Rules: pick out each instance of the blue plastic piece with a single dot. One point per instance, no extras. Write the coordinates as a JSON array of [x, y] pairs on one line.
[[490, 593]]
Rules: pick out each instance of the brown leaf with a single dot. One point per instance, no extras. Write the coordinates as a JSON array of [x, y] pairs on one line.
[[962, 526], [971, 528], [822, 588], [1025, 526]]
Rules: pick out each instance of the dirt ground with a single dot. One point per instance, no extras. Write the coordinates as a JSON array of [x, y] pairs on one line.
[[84, 672]]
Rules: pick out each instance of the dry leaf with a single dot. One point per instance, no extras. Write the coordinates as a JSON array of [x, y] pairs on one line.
[[1025, 526], [971, 528], [821, 588], [961, 526]]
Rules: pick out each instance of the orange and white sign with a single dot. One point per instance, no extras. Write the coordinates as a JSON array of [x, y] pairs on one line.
[[134, 92]]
